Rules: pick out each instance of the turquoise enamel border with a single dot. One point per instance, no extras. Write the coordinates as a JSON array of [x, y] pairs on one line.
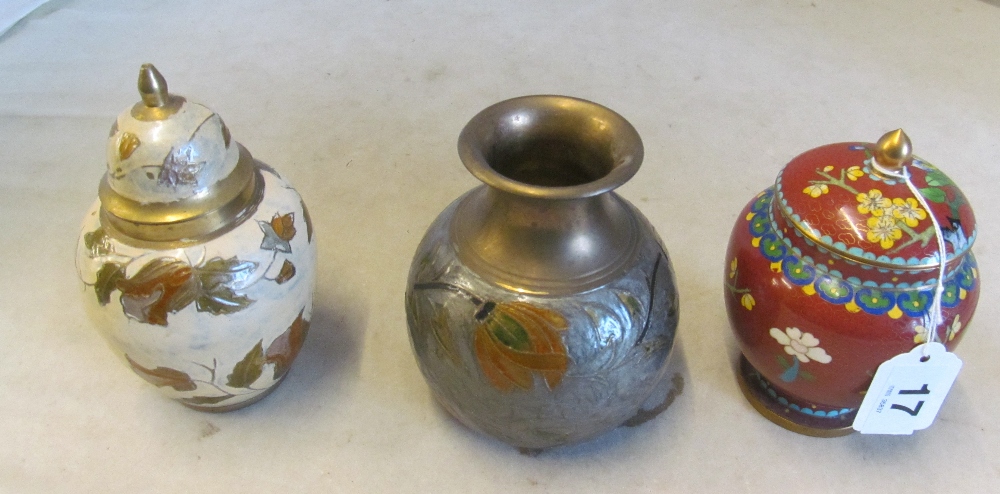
[[810, 411], [893, 299]]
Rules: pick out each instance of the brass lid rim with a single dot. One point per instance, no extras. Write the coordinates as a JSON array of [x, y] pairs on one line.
[[211, 199], [188, 222]]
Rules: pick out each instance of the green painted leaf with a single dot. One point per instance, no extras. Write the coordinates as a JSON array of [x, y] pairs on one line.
[[206, 400], [219, 271], [308, 220], [97, 242], [221, 300], [249, 369], [107, 281], [216, 277], [807, 376], [783, 363], [634, 307], [933, 194], [936, 178]]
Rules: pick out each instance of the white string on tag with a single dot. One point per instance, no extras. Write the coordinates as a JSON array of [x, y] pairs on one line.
[[934, 314], [908, 390]]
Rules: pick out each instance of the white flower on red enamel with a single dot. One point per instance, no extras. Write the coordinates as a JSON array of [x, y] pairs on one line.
[[803, 346]]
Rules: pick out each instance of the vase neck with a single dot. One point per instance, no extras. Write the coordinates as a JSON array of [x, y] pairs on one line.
[[545, 246]]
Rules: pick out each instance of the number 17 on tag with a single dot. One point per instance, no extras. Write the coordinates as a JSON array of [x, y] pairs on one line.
[[908, 391]]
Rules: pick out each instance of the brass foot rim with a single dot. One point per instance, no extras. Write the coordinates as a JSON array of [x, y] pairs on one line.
[[781, 415], [235, 406]]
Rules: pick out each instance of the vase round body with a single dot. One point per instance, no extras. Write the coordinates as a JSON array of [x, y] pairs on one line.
[[198, 261], [833, 271], [542, 306]]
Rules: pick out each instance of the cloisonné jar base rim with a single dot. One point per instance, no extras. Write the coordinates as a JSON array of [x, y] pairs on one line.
[[752, 384]]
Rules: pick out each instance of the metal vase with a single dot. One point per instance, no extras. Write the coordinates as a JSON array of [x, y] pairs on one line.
[[541, 305]]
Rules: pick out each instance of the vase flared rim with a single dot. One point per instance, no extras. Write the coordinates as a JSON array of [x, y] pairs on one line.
[[597, 149]]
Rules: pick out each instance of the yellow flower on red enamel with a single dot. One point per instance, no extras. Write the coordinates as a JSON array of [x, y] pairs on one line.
[[874, 203], [908, 210], [748, 301], [816, 190], [883, 230], [854, 173]]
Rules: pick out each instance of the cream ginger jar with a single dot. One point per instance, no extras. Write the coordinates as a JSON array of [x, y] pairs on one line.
[[198, 261]]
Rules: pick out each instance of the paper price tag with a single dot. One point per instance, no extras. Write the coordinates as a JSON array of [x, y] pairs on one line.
[[908, 391]]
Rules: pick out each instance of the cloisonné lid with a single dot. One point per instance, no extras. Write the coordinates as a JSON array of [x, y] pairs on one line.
[[174, 173], [848, 199]]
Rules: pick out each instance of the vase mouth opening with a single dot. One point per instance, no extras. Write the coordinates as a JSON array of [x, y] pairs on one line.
[[554, 147]]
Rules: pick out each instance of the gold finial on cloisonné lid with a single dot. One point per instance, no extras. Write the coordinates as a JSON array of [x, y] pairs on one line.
[[174, 173], [850, 200]]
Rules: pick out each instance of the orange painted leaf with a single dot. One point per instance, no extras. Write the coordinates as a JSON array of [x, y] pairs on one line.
[[278, 232], [283, 350], [127, 144], [163, 285], [286, 273], [516, 339], [501, 372], [163, 376], [284, 226]]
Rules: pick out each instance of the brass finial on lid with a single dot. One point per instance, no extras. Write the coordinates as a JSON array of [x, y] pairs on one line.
[[893, 149], [152, 86], [157, 103]]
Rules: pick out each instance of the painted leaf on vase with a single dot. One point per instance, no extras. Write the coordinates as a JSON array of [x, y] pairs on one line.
[[934, 194], [162, 286], [205, 400], [163, 376], [278, 232], [283, 350], [107, 280], [97, 242], [441, 330], [515, 340], [634, 307], [226, 136], [249, 369], [286, 273], [127, 144], [216, 278], [308, 220]]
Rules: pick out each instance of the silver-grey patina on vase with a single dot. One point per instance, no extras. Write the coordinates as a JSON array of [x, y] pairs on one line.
[[541, 305]]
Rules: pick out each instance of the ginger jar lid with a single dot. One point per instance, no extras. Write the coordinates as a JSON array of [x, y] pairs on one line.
[[174, 172], [849, 199]]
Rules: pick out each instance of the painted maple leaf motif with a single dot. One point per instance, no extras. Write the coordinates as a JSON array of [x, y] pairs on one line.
[[163, 376], [278, 232], [163, 285], [514, 340], [167, 285], [181, 167], [283, 350]]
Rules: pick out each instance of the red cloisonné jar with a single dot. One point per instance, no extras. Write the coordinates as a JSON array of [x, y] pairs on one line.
[[833, 270]]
